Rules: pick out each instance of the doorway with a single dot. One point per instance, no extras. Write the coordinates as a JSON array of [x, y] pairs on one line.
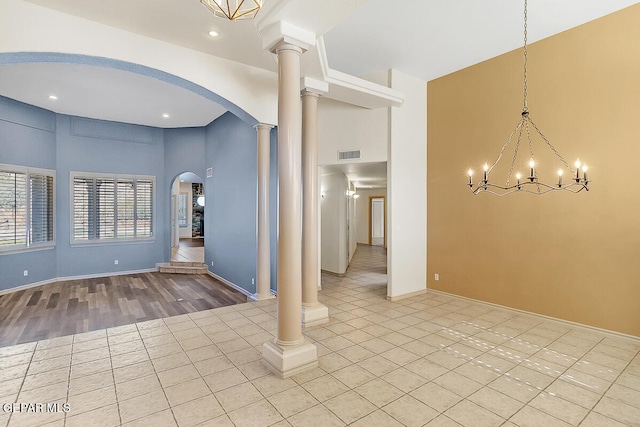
[[187, 218], [377, 221]]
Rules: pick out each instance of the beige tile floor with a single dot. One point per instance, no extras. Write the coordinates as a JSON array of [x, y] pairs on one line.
[[433, 360]]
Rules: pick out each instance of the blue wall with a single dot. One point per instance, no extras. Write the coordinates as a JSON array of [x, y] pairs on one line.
[[87, 145], [184, 150], [27, 138], [30, 136], [230, 233]]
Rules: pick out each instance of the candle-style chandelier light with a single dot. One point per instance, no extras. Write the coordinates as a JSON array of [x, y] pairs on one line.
[[234, 10], [574, 182]]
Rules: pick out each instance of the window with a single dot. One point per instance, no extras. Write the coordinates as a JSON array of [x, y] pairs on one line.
[[26, 208], [111, 208]]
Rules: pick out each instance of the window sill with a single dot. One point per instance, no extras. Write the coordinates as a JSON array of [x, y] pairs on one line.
[[111, 242]]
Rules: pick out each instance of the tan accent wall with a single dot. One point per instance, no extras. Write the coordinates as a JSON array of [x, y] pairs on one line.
[[570, 256]]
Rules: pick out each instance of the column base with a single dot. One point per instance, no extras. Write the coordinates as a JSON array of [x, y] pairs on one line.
[[285, 361], [316, 314], [256, 297]]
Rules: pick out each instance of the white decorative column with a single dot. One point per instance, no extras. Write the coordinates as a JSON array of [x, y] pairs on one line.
[[313, 312], [289, 353], [263, 273]]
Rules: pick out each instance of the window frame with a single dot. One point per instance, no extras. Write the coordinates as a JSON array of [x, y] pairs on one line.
[[29, 246], [73, 175]]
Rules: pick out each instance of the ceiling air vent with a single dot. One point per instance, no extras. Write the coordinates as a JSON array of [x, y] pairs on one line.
[[349, 155]]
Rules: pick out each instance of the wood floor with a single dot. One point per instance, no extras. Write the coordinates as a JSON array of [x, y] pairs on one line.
[[72, 307]]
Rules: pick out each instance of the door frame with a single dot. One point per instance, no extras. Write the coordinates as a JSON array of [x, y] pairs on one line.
[[384, 199]]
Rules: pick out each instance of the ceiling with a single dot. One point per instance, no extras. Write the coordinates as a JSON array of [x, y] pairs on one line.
[[362, 175], [427, 39], [107, 94]]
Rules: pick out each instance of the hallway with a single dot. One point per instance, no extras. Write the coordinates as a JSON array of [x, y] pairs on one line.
[[432, 359], [190, 250]]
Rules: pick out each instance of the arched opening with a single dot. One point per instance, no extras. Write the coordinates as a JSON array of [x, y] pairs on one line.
[[187, 218]]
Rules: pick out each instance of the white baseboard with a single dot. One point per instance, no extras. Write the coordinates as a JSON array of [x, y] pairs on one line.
[[107, 274], [542, 316], [230, 284], [28, 286], [81, 277]]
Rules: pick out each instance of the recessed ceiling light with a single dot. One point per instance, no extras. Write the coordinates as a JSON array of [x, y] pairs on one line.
[[53, 97], [214, 33], [166, 116]]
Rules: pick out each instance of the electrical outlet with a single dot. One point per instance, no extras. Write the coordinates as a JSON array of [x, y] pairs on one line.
[[115, 262], [211, 263], [436, 277], [26, 273], [253, 281]]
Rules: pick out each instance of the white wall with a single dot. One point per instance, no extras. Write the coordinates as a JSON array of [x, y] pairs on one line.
[[333, 205], [185, 187], [406, 186], [346, 127], [362, 212]]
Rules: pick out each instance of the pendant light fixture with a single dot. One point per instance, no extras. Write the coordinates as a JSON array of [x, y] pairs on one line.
[[575, 180], [234, 10]]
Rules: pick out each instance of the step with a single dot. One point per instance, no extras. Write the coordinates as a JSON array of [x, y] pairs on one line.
[[174, 268], [187, 264]]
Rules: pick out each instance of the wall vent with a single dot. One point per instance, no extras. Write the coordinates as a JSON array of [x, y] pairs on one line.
[[349, 155]]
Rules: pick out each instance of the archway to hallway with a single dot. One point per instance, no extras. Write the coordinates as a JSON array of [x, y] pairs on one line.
[[187, 218]]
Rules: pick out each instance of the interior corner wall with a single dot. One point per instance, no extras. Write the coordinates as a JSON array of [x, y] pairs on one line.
[[231, 207], [569, 256], [406, 189], [333, 217]]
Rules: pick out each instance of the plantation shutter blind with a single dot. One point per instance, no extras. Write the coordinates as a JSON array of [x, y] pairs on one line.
[[126, 208], [112, 207], [41, 218], [13, 208], [144, 208], [104, 209]]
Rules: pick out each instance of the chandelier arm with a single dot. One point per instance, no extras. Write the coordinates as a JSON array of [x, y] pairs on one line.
[[506, 144], [544, 138], [515, 153], [488, 188]]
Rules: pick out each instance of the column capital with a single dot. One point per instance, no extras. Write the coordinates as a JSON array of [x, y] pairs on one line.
[[258, 126], [282, 33], [313, 87]]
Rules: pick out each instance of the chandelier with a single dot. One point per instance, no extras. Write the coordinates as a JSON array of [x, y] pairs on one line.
[[575, 180], [234, 10]]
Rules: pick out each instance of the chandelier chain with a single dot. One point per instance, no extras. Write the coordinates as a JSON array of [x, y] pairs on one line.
[[544, 138], [525, 108], [515, 154]]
